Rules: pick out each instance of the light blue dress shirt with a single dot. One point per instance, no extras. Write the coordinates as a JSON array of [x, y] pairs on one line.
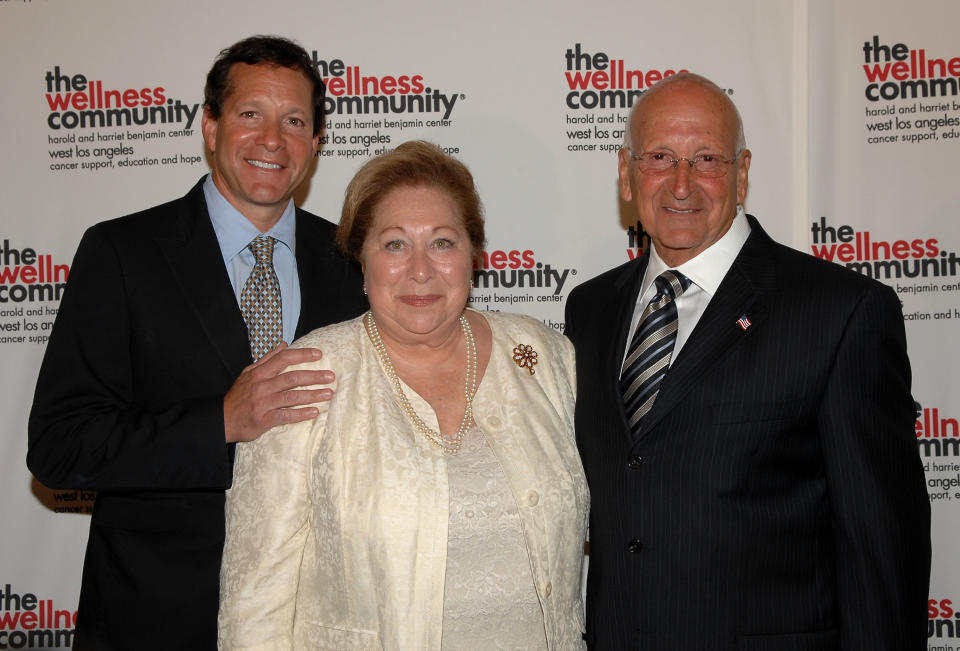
[[235, 232]]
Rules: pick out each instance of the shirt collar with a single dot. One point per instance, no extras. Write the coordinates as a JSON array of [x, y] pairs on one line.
[[708, 268], [235, 232]]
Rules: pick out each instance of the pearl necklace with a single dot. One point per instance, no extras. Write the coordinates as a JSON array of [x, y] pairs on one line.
[[449, 445]]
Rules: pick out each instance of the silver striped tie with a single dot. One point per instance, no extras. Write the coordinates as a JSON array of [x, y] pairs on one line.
[[651, 348]]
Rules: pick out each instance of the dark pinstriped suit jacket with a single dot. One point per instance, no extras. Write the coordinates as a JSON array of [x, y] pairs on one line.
[[775, 499]]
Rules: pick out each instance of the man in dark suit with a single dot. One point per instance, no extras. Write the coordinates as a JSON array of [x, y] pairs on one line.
[[147, 379], [764, 493]]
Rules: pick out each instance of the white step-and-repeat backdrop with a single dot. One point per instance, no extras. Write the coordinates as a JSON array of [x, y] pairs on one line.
[[852, 113]]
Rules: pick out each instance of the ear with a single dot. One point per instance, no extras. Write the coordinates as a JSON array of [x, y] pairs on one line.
[[208, 124], [742, 172], [623, 169]]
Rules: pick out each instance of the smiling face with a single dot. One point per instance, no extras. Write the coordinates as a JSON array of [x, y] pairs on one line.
[[417, 263], [263, 141], [684, 214]]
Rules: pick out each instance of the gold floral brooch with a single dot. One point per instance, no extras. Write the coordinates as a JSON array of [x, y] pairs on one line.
[[525, 357]]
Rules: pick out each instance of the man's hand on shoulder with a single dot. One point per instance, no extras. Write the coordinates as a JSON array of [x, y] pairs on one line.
[[265, 395]]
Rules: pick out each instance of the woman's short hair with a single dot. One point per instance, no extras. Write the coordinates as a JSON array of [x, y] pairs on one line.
[[412, 164]]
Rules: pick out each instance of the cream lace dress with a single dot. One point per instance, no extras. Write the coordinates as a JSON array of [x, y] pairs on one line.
[[489, 600]]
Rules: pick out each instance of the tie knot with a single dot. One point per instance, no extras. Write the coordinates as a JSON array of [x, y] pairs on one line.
[[671, 283], [262, 248]]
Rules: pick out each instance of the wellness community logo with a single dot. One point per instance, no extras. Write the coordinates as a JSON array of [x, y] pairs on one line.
[[597, 80], [96, 125], [352, 91], [637, 241], [76, 101], [599, 90], [899, 71], [29, 277], [938, 434], [917, 257], [505, 277], [943, 620], [29, 622], [31, 285]]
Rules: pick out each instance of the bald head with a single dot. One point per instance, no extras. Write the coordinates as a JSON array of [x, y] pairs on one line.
[[684, 79]]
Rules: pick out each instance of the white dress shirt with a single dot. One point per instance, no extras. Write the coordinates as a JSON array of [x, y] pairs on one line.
[[706, 271]]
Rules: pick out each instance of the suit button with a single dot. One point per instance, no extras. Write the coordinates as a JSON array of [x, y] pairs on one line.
[[533, 498], [635, 546], [634, 461], [547, 589]]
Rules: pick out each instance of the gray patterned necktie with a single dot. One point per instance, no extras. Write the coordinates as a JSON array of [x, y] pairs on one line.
[[260, 300], [651, 348]]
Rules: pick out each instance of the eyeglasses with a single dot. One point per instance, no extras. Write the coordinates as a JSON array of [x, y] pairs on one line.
[[706, 166]]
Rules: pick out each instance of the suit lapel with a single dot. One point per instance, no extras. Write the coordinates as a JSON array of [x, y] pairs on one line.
[[626, 291], [310, 270], [741, 293], [197, 268], [330, 286], [313, 271]]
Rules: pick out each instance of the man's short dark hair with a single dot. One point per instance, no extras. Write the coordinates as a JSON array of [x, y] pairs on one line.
[[271, 50]]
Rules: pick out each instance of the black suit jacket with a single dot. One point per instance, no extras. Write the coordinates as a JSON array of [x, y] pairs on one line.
[[775, 499], [129, 402]]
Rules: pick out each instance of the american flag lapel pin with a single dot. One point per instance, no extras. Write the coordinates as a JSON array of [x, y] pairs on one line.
[[744, 322]]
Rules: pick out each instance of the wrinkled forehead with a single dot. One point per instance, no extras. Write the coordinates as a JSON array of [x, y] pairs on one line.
[[687, 111]]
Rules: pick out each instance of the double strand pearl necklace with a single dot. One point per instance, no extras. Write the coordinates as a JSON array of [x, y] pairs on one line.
[[449, 445]]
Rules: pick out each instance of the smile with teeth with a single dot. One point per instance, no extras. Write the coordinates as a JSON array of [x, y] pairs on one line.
[[263, 164], [680, 211]]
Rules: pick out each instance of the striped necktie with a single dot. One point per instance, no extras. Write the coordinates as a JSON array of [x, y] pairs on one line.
[[260, 300], [651, 348]]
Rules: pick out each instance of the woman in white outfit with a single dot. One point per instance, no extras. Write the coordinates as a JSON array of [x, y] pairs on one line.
[[438, 500]]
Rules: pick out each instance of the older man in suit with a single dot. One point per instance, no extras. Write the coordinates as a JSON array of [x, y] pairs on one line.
[[744, 418], [159, 359]]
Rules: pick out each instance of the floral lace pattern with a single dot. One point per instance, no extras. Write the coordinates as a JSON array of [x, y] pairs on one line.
[[337, 526], [489, 600]]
